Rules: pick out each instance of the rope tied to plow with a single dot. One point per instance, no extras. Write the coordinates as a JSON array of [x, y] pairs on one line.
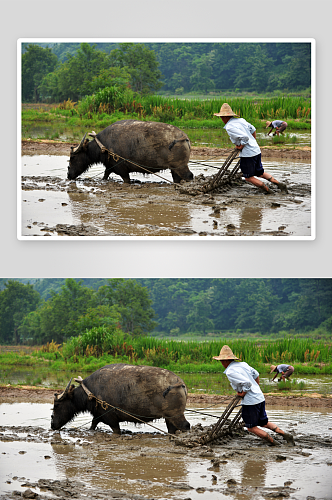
[[116, 157], [105, 405]]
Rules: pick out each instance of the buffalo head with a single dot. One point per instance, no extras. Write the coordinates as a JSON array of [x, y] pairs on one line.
[[79, 160], [64, 409]]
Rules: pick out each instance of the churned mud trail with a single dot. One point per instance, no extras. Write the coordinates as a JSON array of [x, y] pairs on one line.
[[150, 206], [142, 464]]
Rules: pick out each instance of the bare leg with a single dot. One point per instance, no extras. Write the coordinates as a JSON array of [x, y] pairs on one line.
[[289, 438], [262, 434], [257, 183], [269, 177]]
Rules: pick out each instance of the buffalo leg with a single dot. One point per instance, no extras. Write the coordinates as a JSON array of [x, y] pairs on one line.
[[176, 177], [94, 424], [170, 427], [125, 178], [115, 428], [106, 174]]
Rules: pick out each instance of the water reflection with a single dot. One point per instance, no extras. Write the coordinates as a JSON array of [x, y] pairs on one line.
[[254, 473], [125, 469], [251, 218]]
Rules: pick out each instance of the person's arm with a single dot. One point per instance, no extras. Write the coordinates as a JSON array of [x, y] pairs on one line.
[[239, 139], [269, 132], [239, 383], [257, 380]]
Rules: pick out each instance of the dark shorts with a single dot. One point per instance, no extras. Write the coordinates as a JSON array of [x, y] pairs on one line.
[[251, 165], [289, 371], [282, 127], [254, 415]]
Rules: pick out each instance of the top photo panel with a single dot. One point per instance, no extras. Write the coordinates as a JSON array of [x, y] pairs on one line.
[[177, 139]]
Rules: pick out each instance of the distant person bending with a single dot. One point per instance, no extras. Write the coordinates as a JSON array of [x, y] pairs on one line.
[[243, 135], [284, 371], [245, 380], [279, 125]]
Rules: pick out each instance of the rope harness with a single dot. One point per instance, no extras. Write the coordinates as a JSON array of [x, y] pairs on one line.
[[105, 405], [215, 433], [116, 157]]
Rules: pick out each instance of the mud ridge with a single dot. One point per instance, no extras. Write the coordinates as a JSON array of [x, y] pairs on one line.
[[63, 149]]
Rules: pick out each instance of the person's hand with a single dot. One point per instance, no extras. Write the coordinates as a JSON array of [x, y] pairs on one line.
[[241, 394], [240, 147]]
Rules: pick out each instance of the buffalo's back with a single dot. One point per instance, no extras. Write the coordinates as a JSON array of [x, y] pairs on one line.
[[139, 389], [147, 142]]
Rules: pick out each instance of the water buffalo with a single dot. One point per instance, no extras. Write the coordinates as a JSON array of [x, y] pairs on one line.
[[152, 145], [146, 392]]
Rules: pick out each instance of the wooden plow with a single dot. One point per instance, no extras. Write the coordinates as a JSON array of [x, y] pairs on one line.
[[223, 428], [217, 430], [223, 178]]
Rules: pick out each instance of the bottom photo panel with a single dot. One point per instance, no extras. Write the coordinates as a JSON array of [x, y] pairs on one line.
[[166, 388]]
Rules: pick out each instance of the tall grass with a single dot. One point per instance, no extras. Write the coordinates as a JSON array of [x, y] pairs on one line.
[[169, 109], [191, 355]]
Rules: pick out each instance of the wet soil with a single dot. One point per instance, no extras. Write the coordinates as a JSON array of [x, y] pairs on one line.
[[81, 464], [63, 148], [89, 207], [36, 395], [142, 451]]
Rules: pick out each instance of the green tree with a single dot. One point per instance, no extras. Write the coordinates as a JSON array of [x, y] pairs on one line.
[[142, 65], [102, 315], [110, 77], [135, 306], [16, 301], [72, 79], [57, 317], [299, 67], [132, 301], [198, 319], [37, 62], [201, 77]]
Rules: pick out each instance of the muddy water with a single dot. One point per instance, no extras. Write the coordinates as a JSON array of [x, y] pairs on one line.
[[53, 206], [146, 463]]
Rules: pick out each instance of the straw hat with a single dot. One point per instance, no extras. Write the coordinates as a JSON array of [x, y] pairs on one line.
[[272, 368], [268, 124], [225, 353], [226, 110]]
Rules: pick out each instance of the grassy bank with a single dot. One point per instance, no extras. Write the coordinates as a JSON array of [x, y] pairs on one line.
[[53, 365], [71, 120], [307, 355]]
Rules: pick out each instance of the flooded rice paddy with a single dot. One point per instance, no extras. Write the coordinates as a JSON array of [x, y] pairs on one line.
[[89, 206], [144, 463], [196, 382]]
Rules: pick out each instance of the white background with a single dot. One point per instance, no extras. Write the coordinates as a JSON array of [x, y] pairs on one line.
[[165, 19]]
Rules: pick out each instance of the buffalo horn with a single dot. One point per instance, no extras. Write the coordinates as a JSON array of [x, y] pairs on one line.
[[79, 147], [63, 394]]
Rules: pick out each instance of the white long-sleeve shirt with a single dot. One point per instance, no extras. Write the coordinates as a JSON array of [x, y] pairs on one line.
[[242, 377], [240, 133]]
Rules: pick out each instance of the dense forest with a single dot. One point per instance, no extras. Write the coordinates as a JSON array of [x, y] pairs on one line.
[[60, 71], [41, 310]]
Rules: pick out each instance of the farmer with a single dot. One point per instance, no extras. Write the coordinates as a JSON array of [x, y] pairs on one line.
[[279, 125], [243, 135], [284, 371], [245, 380]]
